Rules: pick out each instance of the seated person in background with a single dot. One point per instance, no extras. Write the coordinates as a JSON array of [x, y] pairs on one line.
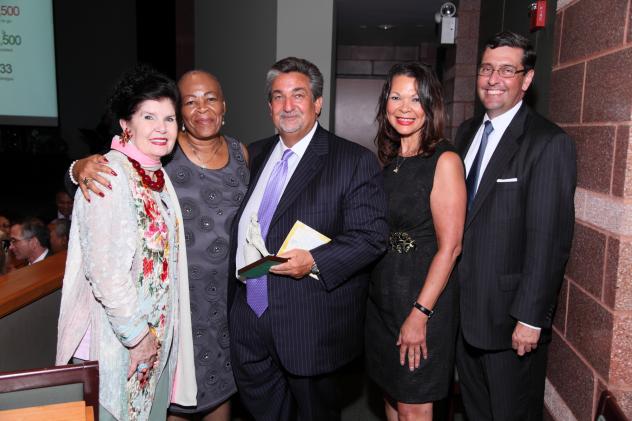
[[29, 240], [64, 205], [59, 230], [8, 262], [5, 227], [3, 261]]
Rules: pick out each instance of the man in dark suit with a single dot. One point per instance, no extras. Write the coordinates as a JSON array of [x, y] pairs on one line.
[[290, 331], [521, 176], [29, 240]]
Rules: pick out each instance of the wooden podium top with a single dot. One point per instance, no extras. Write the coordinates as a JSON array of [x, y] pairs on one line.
[[69, 411], [30, 283]]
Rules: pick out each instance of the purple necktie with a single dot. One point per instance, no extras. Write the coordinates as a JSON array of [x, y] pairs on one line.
[[257, 288]]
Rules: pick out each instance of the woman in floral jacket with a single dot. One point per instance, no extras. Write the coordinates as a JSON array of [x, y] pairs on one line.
[[121, 297]]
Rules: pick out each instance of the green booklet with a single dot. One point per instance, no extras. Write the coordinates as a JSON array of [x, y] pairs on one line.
[[260, 267]]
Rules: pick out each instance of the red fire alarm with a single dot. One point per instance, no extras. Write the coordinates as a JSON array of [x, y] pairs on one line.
[[537, 13]]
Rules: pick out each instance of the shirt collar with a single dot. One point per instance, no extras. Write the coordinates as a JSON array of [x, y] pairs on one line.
[[502, 121], [300, 147], [40, 258]]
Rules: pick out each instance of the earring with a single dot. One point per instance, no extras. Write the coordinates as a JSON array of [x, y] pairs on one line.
[[125, 136], [223, 121], [184, 129]]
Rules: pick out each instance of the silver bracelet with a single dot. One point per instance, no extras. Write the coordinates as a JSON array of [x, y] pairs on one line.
[[75, 182]]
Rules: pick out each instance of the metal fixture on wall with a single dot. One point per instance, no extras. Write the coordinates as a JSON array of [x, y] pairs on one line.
[[446, 17]]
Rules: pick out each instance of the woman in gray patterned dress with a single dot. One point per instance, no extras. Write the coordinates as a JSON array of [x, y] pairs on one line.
[[210, 174]]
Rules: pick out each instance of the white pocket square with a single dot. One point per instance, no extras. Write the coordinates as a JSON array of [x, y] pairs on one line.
[[507, 180]]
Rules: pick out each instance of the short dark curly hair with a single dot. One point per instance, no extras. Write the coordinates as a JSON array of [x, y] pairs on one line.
[[514, 40], [140, 84]]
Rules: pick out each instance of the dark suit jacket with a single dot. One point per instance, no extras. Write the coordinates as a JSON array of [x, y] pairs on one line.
[[336, 189], [517, 235]]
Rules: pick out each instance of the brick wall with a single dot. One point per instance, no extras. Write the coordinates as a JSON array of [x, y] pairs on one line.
[[591, 97], [360, 60]]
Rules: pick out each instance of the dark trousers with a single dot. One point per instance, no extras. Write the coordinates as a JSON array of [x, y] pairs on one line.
[[500, 385], [267, 390]]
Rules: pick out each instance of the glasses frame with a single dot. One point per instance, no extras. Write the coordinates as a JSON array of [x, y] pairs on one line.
[[497, 70], [15, 240]]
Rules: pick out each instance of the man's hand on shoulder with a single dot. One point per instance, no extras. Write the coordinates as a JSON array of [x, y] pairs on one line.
[[524, 338], [298, 266]]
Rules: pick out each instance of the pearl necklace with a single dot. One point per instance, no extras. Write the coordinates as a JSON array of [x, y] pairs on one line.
[[147, 181]]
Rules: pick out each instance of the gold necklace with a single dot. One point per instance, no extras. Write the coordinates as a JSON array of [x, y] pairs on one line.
[[195, 152], [399, 164]]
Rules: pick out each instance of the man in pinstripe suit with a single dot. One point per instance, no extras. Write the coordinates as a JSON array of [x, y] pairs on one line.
[[284, 352], [521, 176]]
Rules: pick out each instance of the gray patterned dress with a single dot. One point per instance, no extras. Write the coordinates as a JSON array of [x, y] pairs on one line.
[[209, 200]]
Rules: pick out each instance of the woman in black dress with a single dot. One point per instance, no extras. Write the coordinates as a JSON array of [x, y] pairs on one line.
[[412, 313]]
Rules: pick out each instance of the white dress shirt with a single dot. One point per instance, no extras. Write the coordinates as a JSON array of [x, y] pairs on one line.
[[40, 258], [257, 194], [500, 124], [61, 216]]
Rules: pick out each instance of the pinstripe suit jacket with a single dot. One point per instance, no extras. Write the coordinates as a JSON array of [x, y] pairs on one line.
[[517, 235], [336, 189]]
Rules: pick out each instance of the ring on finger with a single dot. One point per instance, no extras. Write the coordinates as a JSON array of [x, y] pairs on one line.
[[142, 366], [86, 181]]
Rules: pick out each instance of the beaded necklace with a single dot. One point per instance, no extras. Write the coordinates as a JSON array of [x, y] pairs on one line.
[[147, 181]]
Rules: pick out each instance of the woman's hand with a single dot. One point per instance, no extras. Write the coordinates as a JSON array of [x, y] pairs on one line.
[[87, 172], [145, 352], [412, 339]]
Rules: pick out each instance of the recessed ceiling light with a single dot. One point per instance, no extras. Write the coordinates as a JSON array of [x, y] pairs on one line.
[[386, 26]]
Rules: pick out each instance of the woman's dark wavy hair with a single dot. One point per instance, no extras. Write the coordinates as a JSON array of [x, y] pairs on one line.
[[431, 97], [140, 84]]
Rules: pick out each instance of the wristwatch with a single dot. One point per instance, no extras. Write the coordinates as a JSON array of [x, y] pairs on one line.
[[314, 270]]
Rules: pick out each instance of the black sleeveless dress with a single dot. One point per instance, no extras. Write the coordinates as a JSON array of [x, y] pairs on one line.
[[396, 282]]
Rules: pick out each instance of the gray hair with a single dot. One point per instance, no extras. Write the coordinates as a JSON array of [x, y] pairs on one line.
[[61, 227], [294, 64], [34, 227]]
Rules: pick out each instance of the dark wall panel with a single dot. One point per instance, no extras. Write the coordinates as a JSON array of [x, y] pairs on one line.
[[236, 41]]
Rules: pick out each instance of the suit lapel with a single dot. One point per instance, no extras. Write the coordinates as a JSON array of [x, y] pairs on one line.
[[310, 165], [256, 167], [464, 142], [506, 149]]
